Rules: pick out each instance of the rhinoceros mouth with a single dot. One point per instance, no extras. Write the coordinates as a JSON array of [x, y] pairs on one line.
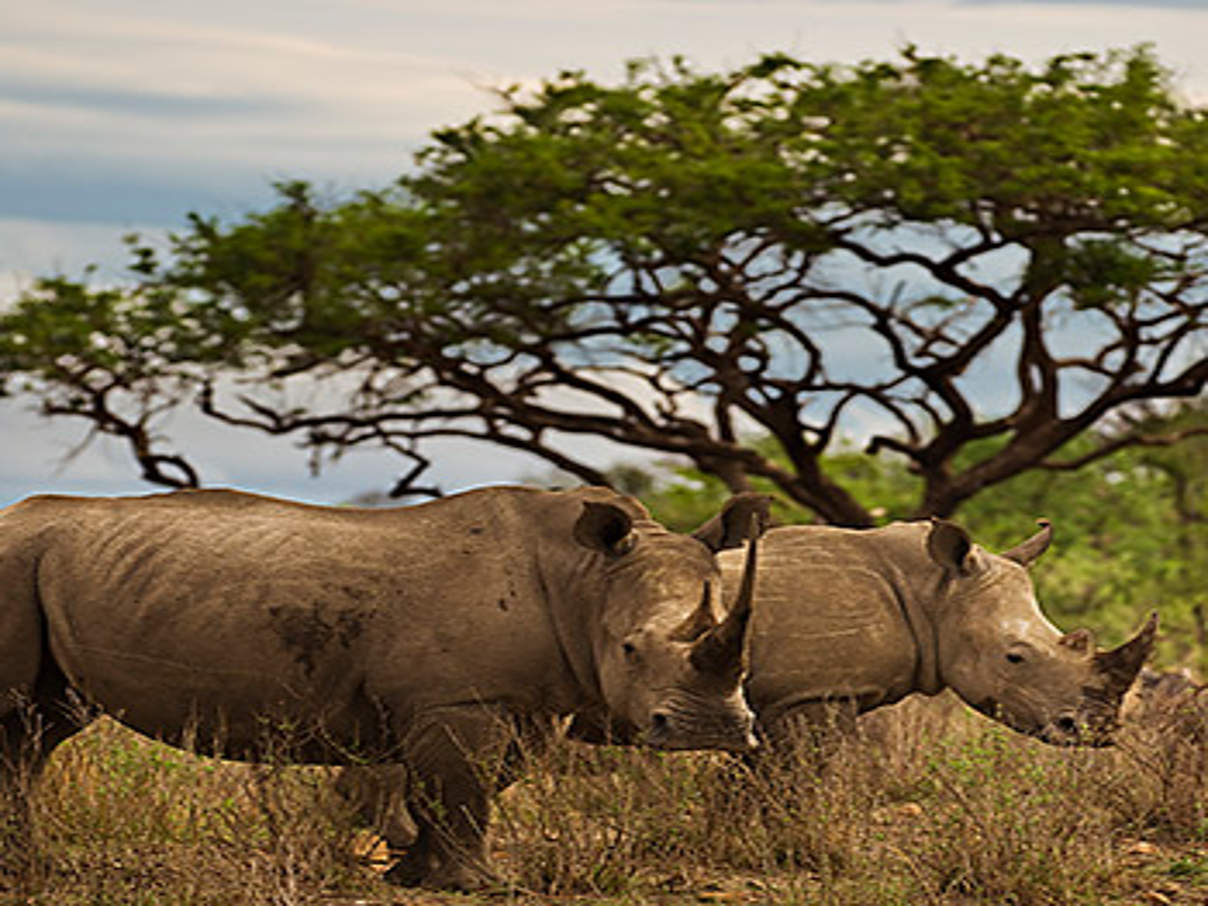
[[737, 743], [1064, 730], [665, 732], [1081, 736], [991, 708]]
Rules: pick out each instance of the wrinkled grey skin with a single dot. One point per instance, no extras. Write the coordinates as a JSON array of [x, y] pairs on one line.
[[434, 636], [860, 619]]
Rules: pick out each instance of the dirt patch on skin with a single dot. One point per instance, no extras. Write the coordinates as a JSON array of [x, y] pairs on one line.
[[306, 631]]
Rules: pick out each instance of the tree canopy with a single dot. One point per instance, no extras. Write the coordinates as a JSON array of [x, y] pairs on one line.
[[967, 266]]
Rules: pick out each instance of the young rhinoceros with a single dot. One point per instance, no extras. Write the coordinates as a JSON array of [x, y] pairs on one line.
[[862, 618], [424, 635]]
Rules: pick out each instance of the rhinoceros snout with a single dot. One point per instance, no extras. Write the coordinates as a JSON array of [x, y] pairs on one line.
[[660, 728], [670, 731], [1067, 730], [1062, 730]]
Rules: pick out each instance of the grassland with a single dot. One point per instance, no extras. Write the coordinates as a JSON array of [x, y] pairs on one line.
[[929, 805]]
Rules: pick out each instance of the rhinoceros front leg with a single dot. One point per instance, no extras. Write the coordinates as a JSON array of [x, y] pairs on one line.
[[457, 757], [377, 793]]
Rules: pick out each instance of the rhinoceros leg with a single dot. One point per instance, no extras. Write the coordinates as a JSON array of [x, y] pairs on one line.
[[35, 713], [38, 718], [456, 758], [378, 794]]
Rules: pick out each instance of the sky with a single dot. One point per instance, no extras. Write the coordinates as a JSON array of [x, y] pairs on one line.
[[122, 117]]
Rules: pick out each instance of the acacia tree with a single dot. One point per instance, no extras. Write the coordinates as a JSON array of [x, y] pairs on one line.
[[922, 253]]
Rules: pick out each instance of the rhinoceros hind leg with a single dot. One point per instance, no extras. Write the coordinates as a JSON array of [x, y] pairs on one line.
[[29, 732], [37, 722]]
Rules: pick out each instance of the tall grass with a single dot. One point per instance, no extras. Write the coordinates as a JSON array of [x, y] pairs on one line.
[[926, 804]]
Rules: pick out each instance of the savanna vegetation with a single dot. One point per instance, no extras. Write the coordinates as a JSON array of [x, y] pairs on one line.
[[693, 264], [928, 804]]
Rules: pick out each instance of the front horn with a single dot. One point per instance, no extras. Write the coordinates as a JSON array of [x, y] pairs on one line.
[[1121, 665], [720, 651], [1029, 550]]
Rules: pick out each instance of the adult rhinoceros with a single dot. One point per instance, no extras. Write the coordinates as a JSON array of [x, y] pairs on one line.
[[861, 619], [424, 635]]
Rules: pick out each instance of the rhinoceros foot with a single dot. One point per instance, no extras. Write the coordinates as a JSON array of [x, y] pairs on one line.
[[415, 869], [430, 864]]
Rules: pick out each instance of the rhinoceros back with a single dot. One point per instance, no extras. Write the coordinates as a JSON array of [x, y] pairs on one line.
[[233, 603]]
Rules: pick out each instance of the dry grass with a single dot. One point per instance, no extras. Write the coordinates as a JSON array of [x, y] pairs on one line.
[[928, 805]]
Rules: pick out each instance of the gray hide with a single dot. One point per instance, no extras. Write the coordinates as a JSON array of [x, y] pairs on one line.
[[862, 618], [433, 636]]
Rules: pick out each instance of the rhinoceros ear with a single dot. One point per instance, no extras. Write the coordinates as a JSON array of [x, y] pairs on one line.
[[605, 528], [731, 527], [950, 546]]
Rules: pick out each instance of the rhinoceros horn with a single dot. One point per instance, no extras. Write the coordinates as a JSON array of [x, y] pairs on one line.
[[699, 621], [720, 651], [1029, 550], [1121, 665]]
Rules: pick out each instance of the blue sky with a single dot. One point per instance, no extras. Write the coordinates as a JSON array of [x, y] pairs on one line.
[[125, 115]]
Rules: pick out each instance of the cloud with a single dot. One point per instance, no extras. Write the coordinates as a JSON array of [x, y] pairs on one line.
[[116, 191], [118, 118], [30, 248], [172, 105], [1140, 4]]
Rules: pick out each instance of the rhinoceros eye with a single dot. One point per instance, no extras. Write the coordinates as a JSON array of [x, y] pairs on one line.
[[1014, 657], [630, 650]]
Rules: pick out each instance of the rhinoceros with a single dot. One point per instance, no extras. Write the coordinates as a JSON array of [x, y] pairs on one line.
[[862, 618], [425, 635]]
